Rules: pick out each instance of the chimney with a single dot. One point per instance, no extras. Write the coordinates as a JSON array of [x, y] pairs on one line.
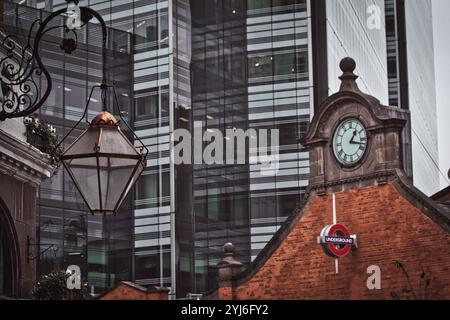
[[229, 268]]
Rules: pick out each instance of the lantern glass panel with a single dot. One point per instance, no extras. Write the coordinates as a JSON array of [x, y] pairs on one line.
[[84, 175], [114, 141], [115, 174], [85, 144]]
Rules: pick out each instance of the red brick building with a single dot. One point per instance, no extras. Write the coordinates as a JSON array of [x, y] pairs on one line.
[[126, 290], [401, 234]]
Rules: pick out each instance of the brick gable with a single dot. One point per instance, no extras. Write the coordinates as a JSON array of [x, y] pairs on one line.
[[389, 228]]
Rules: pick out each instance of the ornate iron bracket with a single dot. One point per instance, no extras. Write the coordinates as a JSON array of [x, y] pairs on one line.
[[22, 65], [40, 253]]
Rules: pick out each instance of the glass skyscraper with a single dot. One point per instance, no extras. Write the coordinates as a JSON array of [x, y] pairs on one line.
[[350, 32], [422, 94], [409, 32], [239, 64]]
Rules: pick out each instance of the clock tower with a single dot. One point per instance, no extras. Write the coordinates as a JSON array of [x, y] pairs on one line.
[[362, 231], [353, 140]]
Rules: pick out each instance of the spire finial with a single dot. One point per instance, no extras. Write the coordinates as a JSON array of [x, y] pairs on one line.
[[348, 78], [228, 249], [228, 268]]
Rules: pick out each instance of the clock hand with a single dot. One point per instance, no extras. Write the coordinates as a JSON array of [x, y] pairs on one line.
[[352, 139]]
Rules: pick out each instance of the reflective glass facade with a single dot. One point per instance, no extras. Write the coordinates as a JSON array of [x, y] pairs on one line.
[[150, 22], [397, 65], [278, 98], [409, 34], [219, 101], [422, 94], [393, 54], [349, 34]]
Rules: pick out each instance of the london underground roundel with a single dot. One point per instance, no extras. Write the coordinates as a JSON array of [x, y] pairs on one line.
[[336, 240]]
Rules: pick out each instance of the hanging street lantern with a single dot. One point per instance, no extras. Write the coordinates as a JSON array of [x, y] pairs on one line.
[[103, 164]]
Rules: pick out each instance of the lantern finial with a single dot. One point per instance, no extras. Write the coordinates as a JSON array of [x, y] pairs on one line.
[[104, 118]]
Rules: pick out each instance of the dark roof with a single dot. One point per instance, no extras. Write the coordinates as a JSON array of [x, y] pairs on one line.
[[443, 194]]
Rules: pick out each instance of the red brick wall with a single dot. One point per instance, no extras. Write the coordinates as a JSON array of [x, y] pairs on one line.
[[388, 227], [159, 295], [124, 292]]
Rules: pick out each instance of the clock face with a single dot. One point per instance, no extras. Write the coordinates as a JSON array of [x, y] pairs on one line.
[[350, 142]]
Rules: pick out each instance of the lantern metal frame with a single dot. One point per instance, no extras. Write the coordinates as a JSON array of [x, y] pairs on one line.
[[23, 63], [139, 157]]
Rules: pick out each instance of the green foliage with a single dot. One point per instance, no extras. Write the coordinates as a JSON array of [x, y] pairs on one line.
[[42, 136], [51, 286], [54, 287]]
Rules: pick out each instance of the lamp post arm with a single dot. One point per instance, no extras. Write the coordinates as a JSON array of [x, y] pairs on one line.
[[40, 253], [18, 75], [86, 14], [44, 70]]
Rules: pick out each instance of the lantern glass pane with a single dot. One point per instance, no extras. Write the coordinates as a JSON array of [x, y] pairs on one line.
[[115, 174], [85, 144], [114, 141], [84, 174], [136, 176]]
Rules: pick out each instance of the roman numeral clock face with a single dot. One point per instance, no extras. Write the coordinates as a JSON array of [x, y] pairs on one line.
[[350, 142]]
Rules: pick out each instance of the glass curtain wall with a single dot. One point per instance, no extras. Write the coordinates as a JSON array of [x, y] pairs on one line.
[[351, 33], [278, 98], [422, 94], [219, 101], [148, 21]]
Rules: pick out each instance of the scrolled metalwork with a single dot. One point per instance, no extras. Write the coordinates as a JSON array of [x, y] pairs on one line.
[[18, 77], [25, 83]]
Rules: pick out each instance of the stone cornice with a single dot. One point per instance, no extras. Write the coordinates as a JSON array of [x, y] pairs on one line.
[[22, 161], [376, 178]]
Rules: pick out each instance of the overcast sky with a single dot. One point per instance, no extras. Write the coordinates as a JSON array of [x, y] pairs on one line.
[[441, 20]]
